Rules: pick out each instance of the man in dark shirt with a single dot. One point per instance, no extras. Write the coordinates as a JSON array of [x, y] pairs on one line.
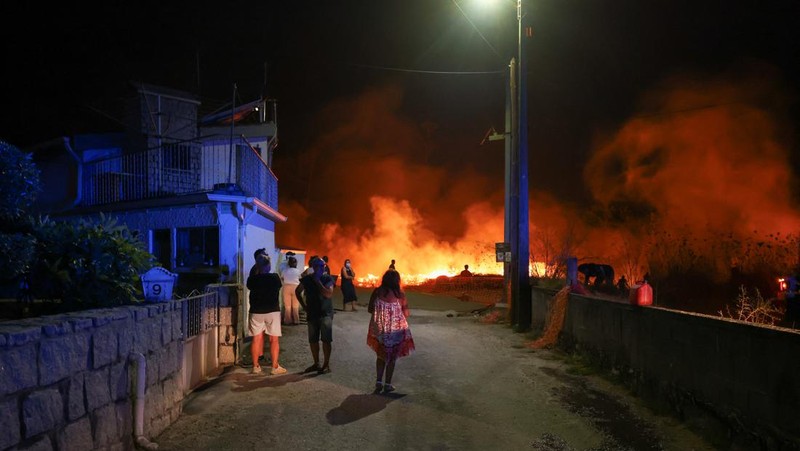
[[265, 311], [314, 293]]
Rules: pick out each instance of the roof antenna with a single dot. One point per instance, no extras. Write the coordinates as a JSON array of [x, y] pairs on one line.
[[230, 153], [264, 87], [197, 67]]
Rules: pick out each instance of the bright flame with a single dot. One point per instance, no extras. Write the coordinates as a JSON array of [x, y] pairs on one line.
[[398, 233]]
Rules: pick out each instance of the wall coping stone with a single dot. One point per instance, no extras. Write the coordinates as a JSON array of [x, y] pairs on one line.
[[17, 335], [79, 322], [141, 314]]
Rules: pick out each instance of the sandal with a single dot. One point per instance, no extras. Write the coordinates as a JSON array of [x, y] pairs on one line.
[[312, 368], [324, 370], [378, 386], [388, 388]]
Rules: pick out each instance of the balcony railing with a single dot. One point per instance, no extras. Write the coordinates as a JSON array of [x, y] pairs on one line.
[[176, 169]]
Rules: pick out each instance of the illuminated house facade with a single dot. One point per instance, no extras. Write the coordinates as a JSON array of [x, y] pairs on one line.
[[200, 191]]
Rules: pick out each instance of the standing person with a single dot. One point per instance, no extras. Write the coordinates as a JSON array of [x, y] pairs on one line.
[[309, 269], [291, 279], [327, 269], [389, 335], [349, 297], [314, 293], [265, 312], [391, 265], [267, 266]]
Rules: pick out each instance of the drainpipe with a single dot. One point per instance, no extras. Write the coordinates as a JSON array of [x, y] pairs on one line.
[[242, 280], [141, 376], [243, 218], [74, 155]]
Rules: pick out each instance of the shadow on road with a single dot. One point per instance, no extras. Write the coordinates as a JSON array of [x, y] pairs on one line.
[[356, 407], [248, 382]]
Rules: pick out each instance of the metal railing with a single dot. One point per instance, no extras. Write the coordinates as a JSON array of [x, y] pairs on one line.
[[199, 314], [176, 169]]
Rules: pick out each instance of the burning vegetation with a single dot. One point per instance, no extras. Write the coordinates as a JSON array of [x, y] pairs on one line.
[[697, 191]]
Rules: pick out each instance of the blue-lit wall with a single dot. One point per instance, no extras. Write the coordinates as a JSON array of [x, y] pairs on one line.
[[65, 380]]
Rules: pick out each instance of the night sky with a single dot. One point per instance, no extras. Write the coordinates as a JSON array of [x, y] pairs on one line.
[[392, 98]]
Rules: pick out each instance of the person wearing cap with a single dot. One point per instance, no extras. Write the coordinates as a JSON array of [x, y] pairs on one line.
[[265, 312], [314, 293]]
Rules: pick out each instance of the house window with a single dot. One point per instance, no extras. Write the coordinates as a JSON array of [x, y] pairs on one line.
[[162, 247], [176, 157], [197, 246]]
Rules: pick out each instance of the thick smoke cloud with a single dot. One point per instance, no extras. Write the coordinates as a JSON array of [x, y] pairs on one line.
[[700, 177], [374, 191], [705, 170]]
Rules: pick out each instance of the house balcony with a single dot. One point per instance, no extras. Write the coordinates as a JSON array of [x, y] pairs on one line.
[[179, 169]]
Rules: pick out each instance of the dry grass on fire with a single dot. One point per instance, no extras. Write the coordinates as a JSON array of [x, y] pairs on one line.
[[485, 290]]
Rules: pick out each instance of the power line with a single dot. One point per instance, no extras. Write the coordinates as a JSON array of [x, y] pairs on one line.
[[434, 72]]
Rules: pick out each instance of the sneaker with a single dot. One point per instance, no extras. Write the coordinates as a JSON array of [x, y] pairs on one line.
[[278, 370], [256, 370]]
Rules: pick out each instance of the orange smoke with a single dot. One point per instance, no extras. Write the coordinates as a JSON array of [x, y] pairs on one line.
[[707, 170], [703, 175]]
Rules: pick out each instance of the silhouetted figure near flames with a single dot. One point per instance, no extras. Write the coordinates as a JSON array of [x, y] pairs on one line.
[[603, 274], [623, 287], [792, 316], [466, 272], [391, 266]]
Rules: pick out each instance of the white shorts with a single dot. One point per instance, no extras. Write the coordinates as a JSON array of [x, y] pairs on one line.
[[265, 322]]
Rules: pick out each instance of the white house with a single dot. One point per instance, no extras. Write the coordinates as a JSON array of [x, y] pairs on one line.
[[199, 190]]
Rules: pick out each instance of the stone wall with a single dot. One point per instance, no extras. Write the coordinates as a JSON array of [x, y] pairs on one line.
[[744, 377], [66, 381], [228, 295]]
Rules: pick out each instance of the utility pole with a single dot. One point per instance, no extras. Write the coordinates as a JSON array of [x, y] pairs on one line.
[[525, 309], [509, 174]]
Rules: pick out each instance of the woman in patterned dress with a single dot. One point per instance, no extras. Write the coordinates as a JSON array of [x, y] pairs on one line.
[[389, 335]]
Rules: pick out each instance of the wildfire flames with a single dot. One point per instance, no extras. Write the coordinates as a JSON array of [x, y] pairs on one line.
[[704, 177]]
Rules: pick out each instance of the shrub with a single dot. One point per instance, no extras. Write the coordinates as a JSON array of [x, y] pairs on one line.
[[88, 264], [19, 185], [752, 308], [20, 182]]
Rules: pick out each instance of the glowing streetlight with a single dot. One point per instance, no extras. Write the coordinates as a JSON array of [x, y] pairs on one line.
[[517, 233]]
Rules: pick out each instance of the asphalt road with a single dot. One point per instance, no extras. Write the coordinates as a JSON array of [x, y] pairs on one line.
[[470, 385]]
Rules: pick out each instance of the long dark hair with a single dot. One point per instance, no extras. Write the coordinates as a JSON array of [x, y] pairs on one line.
[[391, 284]]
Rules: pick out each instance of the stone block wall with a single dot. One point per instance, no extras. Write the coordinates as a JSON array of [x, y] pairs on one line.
[[228, 295], [744, 376], [66, 381]]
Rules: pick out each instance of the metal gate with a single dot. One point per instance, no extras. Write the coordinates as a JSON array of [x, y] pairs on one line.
[[200, 324]]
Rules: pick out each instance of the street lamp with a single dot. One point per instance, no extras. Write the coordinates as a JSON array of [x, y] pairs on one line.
[[517, 234], [516, 272]]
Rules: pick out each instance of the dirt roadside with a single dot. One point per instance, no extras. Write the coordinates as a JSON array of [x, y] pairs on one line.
[[469, 385]]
